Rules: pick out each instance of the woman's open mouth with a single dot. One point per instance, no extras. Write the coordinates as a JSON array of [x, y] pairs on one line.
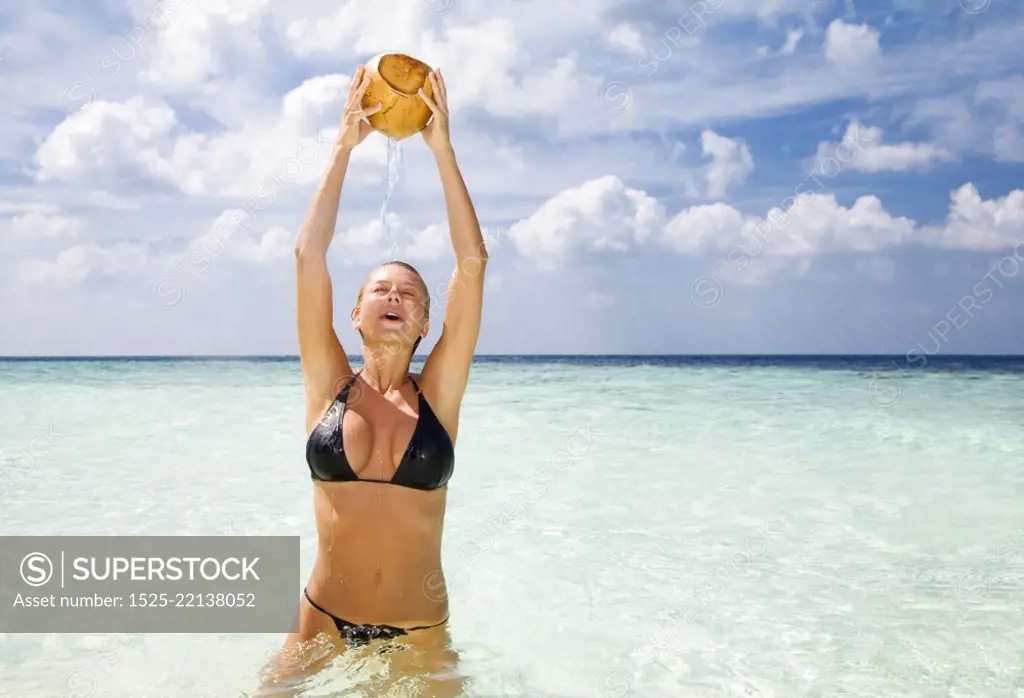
[[394, 317]]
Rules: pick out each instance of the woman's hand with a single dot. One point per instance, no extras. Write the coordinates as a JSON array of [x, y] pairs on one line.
[[436, 132], [353, 129]]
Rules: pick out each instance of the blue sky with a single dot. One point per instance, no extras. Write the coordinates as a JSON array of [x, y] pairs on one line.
[[716, 176]]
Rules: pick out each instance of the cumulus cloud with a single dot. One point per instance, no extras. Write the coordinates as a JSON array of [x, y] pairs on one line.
[[115, 141], [813, 223], [363, 24], [601, 214], [198, 41], [703, 227], [112, 143], [979, 224], [870, 154], [850, 45]]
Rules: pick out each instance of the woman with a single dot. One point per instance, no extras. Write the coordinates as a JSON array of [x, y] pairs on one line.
[[381, 441]]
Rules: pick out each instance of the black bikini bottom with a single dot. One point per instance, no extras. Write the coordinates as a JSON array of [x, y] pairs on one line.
[[355, 635]]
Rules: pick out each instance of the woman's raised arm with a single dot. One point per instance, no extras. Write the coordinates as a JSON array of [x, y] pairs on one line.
[[324, 364], [446, 371]]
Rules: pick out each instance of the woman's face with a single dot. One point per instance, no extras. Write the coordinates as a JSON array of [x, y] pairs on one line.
[[393, 307]]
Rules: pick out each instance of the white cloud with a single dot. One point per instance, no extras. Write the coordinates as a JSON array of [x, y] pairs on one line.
[[869, 154], [986, 119], [812, 224], [626, 37], [601, 214], [81, 262], [46, 225], [977, 224], [1006, 98], [16, 207], [851, 44], [793, 37], [367, 25], [197, 41], [114, 142], [731, 162], [703, 227], [111, 141], [768, 11]]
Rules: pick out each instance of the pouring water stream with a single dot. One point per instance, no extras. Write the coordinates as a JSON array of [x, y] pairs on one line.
[[394, 167]]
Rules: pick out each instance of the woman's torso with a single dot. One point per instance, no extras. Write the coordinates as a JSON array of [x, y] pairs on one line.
[[379, 553], [380, 471]]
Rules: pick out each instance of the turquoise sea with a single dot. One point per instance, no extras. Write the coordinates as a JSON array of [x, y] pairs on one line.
[[751, 527]]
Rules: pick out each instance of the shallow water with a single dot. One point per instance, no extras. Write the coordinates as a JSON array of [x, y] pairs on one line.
[[620, 529]]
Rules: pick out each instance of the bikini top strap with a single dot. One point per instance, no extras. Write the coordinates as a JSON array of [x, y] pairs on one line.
[[343, 395], [413, 381]]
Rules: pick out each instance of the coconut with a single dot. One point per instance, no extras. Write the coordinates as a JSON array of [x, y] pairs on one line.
[[394, 81]]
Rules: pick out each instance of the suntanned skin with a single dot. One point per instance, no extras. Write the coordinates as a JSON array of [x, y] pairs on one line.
[[379, 554]]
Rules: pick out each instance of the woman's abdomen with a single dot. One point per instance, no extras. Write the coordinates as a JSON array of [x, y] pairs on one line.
[[379, 554]]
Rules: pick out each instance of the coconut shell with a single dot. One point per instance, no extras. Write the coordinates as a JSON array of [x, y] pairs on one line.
[[394, 81]]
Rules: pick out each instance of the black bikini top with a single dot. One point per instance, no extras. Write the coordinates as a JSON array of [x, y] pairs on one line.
[[427, 464]]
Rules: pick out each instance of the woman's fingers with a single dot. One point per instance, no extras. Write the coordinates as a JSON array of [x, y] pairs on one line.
[[355, 97], [363, 84], [444, 88], [428, 100], [354, 114], [356, 91], [437, 90], [369, 111], [357, 79], [438, 93]]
